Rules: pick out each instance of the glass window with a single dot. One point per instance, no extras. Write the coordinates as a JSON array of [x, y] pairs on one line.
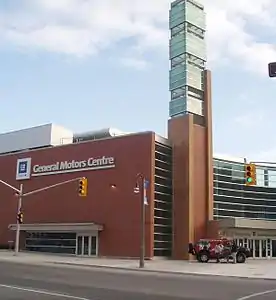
[[163, 157], [162, 221], [162, 197], [177, 106], [163, 213], [163, 181], [162, 165], [162, 189], [163, 149], [163, 173], [52, 242], [162, 252], [161, 228], [260, 177], [162, 244], [272, 178], [246, 201], [162, 237]]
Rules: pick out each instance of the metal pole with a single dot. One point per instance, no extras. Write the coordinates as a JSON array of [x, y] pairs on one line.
[[51, 186], [10, 186], [143, 219], [243, 186], [17, 238]]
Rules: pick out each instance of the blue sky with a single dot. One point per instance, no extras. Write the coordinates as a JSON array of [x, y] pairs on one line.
[[93, 64]]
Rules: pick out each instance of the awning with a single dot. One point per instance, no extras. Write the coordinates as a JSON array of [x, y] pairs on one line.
[[247, 223], [58, 227]]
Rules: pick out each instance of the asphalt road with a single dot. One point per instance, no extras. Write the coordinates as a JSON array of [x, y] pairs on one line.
[[24, 282]]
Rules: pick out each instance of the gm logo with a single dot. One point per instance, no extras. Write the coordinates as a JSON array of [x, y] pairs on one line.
[[23, 168]]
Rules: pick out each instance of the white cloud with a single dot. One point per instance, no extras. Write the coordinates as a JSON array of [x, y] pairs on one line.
[[84, 27]]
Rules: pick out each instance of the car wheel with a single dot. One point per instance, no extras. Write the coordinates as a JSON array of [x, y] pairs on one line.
[[241, 258], [204, 257]]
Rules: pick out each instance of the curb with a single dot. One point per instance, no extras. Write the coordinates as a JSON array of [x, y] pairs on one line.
[[179, 273], [133, 269]]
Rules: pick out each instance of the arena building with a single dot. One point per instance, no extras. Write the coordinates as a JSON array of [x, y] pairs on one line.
[[106, 222], [189, 194]]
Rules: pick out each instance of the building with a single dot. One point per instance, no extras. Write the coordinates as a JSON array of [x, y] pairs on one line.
[[106, 222], [246, 213], [189, 194]]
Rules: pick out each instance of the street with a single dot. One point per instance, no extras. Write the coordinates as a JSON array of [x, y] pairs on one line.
[[22, 282]]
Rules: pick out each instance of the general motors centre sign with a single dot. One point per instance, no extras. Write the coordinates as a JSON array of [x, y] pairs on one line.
[[25, 169]]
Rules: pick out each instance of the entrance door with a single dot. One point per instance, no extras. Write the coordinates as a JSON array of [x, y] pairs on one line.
[[261, 248], [86, 245], [273, 248]]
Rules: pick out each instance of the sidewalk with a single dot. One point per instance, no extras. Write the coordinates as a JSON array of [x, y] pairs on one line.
[[265, 269]]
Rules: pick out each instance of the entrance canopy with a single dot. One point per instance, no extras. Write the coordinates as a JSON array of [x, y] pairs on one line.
[[247, 223], [59, 227]]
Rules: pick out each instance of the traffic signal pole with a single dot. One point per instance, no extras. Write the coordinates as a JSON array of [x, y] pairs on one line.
[[20, 195], [51, 186], [19, 208]]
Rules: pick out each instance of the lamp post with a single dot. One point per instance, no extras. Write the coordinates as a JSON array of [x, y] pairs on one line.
[[141, 188]]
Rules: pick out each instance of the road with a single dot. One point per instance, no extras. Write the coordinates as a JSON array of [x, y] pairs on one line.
[[52, 282]]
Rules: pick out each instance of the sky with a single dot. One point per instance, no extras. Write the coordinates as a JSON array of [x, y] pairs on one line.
[[92, 64]]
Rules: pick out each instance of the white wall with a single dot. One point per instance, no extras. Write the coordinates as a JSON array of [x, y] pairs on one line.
[[39, 136]]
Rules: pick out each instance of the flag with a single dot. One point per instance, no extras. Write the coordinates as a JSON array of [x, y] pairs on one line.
[[146, 185]]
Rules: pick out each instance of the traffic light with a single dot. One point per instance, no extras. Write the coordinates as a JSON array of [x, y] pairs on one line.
[[20, 217], [272, 69], [250, 174], [83, 187]]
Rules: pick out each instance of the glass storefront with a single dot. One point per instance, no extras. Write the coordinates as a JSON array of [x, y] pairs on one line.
[[232, 199], [260, 247], [86, 245], [61, 243]]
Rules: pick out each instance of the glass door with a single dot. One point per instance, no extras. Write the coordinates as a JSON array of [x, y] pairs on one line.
[[261, 248], [256, 249], [86, 245], [273, 248], [93, 245], [79, 245]]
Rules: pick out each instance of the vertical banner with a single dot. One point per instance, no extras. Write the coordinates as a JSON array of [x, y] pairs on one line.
[[146, 185]]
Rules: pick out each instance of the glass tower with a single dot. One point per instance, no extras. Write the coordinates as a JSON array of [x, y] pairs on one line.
[[187, 57]]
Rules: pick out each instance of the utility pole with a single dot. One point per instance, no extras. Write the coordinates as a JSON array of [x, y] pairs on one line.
[[141, 188], [20, 194]]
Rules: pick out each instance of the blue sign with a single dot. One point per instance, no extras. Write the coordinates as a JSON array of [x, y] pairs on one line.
[[146, 184], [22, 168]]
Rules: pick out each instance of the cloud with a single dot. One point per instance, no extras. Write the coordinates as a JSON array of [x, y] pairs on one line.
[[85, 27], [229, 33]]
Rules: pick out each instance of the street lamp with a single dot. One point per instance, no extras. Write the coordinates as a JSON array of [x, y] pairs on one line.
[[140, 187]]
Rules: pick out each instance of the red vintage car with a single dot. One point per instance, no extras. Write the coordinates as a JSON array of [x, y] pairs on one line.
[[209, 249]]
